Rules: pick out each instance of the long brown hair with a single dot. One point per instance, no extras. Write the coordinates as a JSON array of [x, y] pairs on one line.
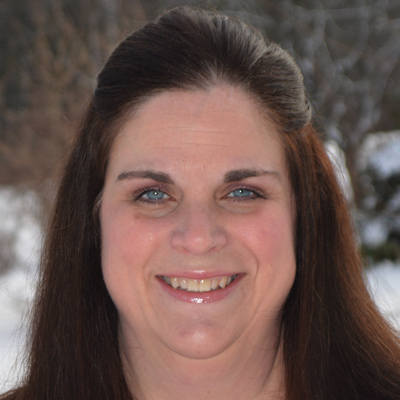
[[336, 344]]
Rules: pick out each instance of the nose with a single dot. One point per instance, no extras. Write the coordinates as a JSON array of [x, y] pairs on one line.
[[197, 231]]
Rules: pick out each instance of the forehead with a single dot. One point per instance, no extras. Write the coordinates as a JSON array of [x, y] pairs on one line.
[[217, 126]]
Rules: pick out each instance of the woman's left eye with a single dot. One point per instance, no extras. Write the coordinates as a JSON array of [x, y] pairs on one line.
[[242, 193]]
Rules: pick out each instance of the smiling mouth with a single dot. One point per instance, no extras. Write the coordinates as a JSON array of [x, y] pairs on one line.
[[199, 285]]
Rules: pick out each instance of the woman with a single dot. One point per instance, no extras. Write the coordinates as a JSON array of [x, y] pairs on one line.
[[200, 246]]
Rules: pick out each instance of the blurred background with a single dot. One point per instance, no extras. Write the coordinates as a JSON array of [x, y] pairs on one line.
[[52, 50]]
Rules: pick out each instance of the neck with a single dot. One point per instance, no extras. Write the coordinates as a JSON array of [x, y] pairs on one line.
[[246, 372]]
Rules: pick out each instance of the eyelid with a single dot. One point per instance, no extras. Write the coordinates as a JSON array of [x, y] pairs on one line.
[[256, 192], [138, 194]]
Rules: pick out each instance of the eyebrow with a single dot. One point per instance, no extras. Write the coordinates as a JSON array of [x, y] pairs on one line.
[[240, 174], [146, 174], [231, 176]]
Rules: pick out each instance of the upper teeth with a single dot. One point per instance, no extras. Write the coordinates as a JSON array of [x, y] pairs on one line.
[[199, 285]]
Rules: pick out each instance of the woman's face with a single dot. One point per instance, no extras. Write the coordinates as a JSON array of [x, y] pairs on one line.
[[196, 196]]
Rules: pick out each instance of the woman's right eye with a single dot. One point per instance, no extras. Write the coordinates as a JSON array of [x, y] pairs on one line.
[[153, 196]]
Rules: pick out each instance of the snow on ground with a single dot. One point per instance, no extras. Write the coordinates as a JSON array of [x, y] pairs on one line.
[[17, 285], [19, 231], [15, 290], [385, 157], [382, 150], [379, 157]]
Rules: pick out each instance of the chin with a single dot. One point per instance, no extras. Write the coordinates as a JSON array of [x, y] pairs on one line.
[[200, 344], [199, 337]]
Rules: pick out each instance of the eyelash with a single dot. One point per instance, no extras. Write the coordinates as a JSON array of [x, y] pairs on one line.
[[138, 195], [256, 194]]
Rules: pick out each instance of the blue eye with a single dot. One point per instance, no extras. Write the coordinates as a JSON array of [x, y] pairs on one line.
[[154, 195], [241, 193]]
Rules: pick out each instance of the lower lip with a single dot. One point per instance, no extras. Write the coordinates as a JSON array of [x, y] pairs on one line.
[[200, 297]]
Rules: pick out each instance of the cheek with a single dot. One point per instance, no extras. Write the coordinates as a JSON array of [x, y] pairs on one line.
[[270, 240], [125, 235], [128, 243], [269, 235]]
